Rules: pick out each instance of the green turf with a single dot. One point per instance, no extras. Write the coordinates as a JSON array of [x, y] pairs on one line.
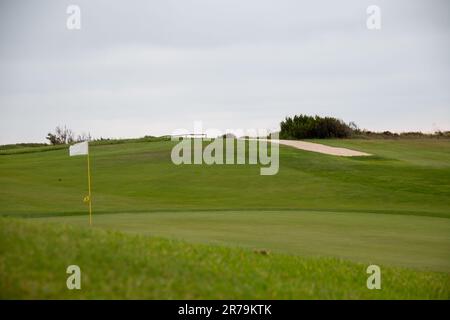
[[404, 177], [398, 240], [391, 209], [34, 258]]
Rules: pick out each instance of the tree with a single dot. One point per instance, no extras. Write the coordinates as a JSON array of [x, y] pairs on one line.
[[52, 138], [61, 136], [84, 137]]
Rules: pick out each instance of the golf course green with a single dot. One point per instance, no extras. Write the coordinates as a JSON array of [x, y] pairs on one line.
[[195, 231]]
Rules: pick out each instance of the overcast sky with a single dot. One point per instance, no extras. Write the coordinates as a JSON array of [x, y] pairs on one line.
[[149, 67]]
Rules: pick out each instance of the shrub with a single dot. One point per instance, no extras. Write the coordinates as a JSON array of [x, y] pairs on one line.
[[307, 127]]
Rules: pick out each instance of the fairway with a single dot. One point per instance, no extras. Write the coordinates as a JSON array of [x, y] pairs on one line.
[[391, 209], [403, 177]]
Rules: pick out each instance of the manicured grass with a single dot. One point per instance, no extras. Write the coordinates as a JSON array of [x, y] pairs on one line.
[[419, 152], [410, 241], [34, 257], [391, 209], [403, 177]]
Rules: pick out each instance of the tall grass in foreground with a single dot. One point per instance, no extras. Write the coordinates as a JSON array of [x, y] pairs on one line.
[[34, 257]]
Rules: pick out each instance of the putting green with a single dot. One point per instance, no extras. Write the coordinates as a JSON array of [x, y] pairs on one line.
[[384, 239]]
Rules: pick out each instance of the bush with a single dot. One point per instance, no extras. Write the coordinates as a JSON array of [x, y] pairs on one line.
[[307, 127]]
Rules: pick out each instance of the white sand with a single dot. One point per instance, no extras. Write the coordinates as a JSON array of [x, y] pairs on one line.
[[320, 148]]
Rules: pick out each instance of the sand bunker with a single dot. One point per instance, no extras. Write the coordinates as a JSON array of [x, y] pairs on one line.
[[316, 147]]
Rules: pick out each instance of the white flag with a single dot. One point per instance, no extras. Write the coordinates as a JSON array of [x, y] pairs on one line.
[[79, 149]]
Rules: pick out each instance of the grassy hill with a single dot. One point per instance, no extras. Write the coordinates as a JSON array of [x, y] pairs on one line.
[[320, 212], [409, 177]]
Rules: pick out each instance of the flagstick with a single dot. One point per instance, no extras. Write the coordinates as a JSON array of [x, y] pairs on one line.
[[89, 188]]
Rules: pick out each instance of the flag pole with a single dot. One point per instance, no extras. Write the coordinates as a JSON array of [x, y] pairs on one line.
[[81, 149], [89, 189]]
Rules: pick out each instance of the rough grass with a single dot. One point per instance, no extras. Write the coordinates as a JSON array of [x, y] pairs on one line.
[[34, 258]]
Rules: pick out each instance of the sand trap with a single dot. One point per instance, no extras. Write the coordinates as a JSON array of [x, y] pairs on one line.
[[320, 148]]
